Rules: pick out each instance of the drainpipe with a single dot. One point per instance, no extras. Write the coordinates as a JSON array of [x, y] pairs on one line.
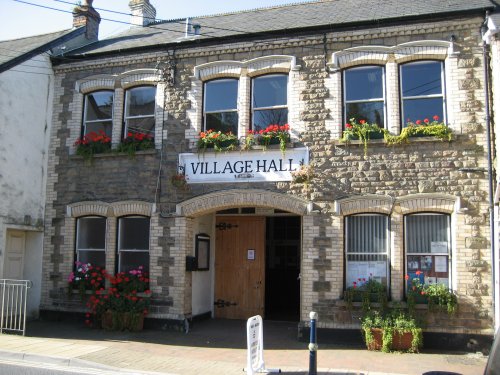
[[490, 169]]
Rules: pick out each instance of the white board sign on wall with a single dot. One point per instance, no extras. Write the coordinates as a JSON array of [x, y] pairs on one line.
[[245, 166]]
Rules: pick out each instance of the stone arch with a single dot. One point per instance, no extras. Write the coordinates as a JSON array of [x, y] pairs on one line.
[[88, 208], [442, 203], [204, 204], [364, 204], [132, 208]]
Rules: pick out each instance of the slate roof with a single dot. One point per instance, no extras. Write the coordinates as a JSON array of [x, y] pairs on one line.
[[16, 51], [282, 20]]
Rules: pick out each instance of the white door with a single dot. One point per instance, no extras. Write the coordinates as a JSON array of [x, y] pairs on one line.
[[14, 257]]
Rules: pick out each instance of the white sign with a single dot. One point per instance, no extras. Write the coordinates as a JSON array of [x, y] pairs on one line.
[[245, 166], [251, 254], [255, 345], [439, 247], [441, 264]]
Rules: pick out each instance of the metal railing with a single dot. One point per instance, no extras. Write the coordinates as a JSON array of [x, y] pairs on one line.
[[14, 295]]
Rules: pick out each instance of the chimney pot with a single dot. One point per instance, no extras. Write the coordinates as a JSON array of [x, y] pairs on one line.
[[86, 15]]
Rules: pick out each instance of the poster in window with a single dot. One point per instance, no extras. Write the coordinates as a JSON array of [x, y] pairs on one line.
[[441, 264], [439, 247], [426, 263], [413, 263]]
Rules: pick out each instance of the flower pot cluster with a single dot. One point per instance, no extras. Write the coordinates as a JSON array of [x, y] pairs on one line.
[[437, 296], [99, 143], [366, 291], [86, 277], [219, 141], [395, 331], [121, 303], [364, 131]]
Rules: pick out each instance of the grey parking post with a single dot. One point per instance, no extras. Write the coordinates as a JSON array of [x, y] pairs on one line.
[[313, 346]]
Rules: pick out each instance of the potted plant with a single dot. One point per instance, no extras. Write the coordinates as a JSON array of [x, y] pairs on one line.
[[366, 291], [438, 296], [93, 143], [86, 277], [273, 134], [303, 175], [179, 181], [136, 142], [361, 130], [123, 305], [393, 332], [217, 140], [419, 128]]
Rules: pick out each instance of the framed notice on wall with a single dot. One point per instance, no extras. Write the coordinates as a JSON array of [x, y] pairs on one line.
[[203, 252]]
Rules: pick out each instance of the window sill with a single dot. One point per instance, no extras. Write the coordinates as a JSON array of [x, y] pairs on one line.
[[254, 148], [382, 141], [115, 154]]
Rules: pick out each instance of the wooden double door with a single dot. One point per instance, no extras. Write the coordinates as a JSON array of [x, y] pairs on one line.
[[239, 266]]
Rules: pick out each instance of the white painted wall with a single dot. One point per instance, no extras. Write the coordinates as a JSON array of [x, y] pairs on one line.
[[203, 281], [26, 96]]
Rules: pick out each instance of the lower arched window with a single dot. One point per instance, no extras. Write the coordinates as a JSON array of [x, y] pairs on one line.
[[133, 243], [427, 244], [366, 249]]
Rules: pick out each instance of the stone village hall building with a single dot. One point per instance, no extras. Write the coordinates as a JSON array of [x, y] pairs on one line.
[[242, 237]]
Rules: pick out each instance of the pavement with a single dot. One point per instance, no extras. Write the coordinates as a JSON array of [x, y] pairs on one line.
[[213, 347]]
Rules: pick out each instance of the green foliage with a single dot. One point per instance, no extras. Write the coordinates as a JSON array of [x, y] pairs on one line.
[[441, 298], [219, 141], [396, 322], [361, 130], [367, 291], [136, 142], [440, 131]]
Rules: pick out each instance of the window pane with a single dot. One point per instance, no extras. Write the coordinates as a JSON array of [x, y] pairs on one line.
[[419, 109], [144, 125], [372, 112], [221, 95], [105, 126], [91, 233], [134, 233], [99, 106], [424, 232], [270, 91], [141, 101], [263, 118], [366, 248], [130, 260], [223, 121], [422, 78], [364, 83], [96, 258]]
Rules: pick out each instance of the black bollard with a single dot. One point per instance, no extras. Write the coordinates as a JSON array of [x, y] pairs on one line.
[[313, 345]]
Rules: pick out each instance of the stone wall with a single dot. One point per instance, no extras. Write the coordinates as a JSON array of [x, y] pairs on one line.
[[421, 172]]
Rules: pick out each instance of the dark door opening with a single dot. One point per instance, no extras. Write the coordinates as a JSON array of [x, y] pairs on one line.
[[283, 240]]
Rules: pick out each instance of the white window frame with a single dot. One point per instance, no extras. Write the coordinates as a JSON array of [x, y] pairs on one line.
[[78, 233], [205, 112], [448, 253], [386, 253], [126, 117], [403, 98], [85, 106], [119, 249], [377, 100], [254, 109]]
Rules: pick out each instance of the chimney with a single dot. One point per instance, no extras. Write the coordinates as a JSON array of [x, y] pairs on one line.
[[86, 15], [143, 13]]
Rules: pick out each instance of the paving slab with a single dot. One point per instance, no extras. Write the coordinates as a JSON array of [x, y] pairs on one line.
[[215, 347]]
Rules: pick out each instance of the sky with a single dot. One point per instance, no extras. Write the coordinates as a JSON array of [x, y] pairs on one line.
[[19, 19]]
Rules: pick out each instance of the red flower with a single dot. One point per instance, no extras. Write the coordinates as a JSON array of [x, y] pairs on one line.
[[407, 277], [436, 118], [426, 120], [418, 273], [418, 122], [362, 121], [348, 126]]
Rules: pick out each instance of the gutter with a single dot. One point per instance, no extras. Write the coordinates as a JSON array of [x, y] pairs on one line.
[[486, 34]]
